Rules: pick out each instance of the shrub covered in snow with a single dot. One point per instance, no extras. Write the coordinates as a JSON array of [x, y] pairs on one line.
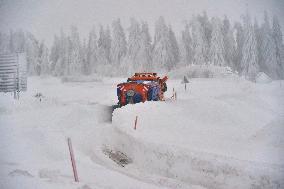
[[262, 78]]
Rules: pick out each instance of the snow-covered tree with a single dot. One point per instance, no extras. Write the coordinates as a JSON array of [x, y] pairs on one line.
[[163, 56], [206, 29], [44, 59], [174, 46], [132, 63], [199, 42], [229, 43], [104, 46], [32, 52], [258, 36], [92, 51], [186, 49], [74, 62], [139, 47], [239, 37], [60, 55], [86, 66], [54, 54], [144, 54], [268, 62], [278, 40], [249, 63], [217, 50], [118, 45]]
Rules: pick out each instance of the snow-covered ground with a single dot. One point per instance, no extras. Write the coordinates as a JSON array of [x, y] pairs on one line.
[[220, 133]]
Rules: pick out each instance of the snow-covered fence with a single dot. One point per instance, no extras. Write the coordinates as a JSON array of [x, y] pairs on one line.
[[13, 72]]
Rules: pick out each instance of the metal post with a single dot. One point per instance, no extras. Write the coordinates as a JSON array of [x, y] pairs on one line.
[[73, 160]]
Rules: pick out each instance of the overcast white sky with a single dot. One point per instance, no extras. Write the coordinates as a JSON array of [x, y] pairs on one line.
[[44, 18]]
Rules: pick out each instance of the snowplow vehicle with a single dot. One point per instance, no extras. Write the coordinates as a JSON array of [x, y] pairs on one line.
[[141, 87]]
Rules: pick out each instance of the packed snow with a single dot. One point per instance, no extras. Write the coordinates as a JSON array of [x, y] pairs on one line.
[[220, 133]]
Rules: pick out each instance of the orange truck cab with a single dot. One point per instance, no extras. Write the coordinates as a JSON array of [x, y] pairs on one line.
[[141, 87]]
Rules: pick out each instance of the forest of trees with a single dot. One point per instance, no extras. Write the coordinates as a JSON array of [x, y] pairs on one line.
[[248, 47]]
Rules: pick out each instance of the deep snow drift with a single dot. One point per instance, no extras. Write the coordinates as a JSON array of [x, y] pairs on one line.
[[220, 133]]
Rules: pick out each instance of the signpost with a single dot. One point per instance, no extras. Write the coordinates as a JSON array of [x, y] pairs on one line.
[[185, 81]]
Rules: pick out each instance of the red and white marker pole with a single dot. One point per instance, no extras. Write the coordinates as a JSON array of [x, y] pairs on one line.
[[135, 123], [73, 160]]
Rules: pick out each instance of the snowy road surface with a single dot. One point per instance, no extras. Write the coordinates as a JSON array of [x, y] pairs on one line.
[[221, 133]]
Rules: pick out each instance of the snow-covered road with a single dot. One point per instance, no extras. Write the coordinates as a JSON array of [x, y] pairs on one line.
[[221, 133]]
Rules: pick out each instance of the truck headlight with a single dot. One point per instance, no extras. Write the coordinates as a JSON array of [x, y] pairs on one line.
[[130, 93]]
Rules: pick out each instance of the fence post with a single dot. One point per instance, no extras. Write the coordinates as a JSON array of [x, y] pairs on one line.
[[135, 123], [72, 160]]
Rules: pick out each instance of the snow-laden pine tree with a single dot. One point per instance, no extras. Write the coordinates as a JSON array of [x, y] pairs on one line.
[[132, 63], [86, 67], [60, 50], [199, 42], [44, 59], [104, 46], [32, 52], [54, 54], [258, 36], [174, 47], [217, 50], [249, 63], [229, 43], [118, 45], [163, 55], [92, 51], [268, 62], [74, 56], [186, 49], [239, 37], [144, 53], [65, 51], [278, 40], [207, 32], [139, 49]]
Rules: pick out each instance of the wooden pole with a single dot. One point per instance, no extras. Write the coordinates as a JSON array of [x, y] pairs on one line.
[[72, 160], [135, 123]]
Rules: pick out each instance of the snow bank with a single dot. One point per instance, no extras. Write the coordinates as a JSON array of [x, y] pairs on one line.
[[220, 134]]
